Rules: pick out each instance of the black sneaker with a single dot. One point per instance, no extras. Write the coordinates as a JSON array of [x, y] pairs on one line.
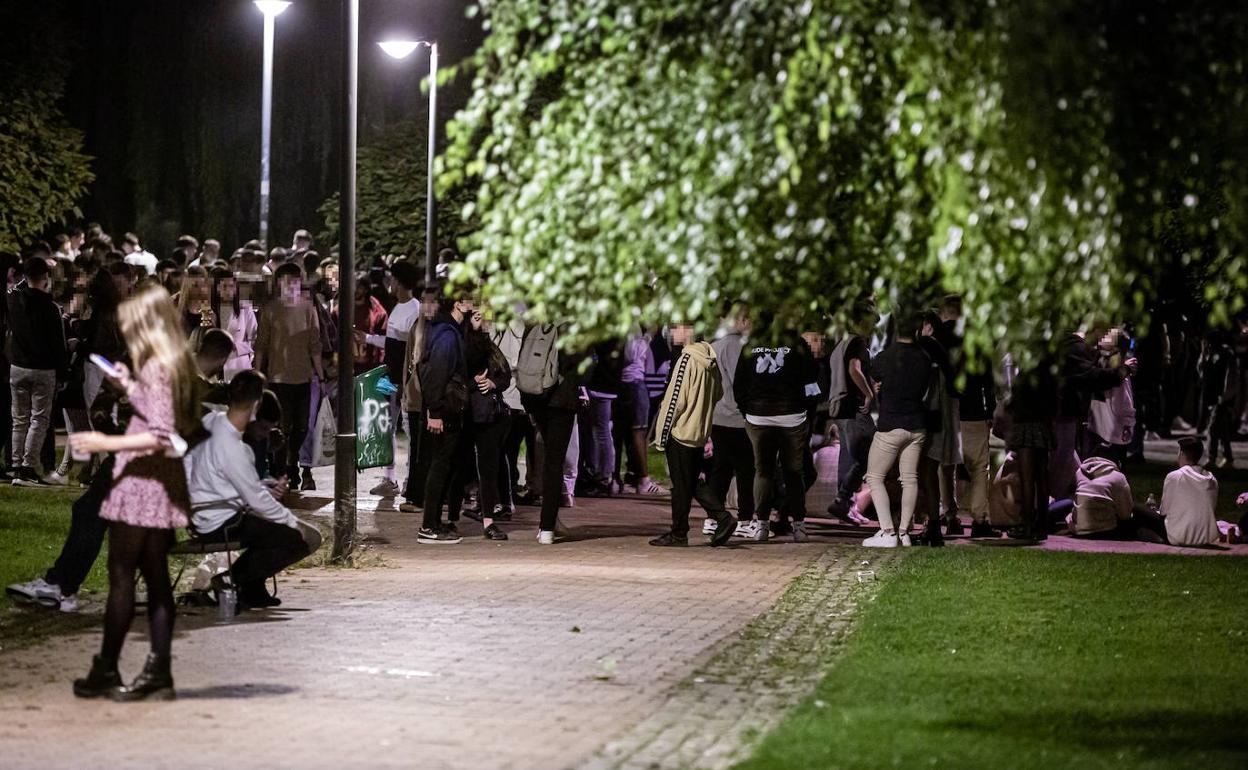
[[954, 527], [725, 528], [450, 529], [27, 477], [307, 483], [670, 540], [437, 537], [1022, 535], [502, 513], [492, 532], [982, 530], [781, 527]]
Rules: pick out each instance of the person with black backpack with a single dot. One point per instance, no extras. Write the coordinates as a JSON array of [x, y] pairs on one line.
[[852, 399], [443, 372], [550, 389]]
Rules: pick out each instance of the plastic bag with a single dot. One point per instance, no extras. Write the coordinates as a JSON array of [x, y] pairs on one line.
[[324, 435]]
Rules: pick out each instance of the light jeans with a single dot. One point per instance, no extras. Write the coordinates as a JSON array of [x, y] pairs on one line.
[[887, 448], [33, 392], [975, 455]]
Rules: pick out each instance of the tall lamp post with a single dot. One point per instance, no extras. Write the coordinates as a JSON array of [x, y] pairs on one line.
[[344, 446], [401, 49], [271, 10]]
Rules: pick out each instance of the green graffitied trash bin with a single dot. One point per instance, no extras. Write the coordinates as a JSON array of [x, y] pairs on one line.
[[374, 428]]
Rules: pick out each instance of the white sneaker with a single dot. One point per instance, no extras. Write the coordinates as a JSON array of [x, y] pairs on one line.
[[904, 540], [800, 535], [649, 488], [58, 479], [546, 537], [69, 603], [882, 539], [709, 526], [387, 488], [37, 591]]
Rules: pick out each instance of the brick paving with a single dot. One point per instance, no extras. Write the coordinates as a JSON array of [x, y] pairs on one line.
[[479, 655]]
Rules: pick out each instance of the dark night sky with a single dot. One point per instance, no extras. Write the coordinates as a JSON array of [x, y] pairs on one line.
[[168, 93]]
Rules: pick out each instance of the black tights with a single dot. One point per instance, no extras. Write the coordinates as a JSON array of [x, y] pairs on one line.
[[134, 550]]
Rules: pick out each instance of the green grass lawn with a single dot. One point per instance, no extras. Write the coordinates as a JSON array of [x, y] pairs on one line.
[[1007, 658], [33, 524]]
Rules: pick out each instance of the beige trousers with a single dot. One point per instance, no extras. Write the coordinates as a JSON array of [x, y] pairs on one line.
[[895, 446]]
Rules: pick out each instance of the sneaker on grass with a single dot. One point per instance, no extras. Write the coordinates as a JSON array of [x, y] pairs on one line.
[[883, 539], [37, 591]]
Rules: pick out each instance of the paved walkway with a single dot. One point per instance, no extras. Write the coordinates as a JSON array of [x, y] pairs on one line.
[[472, 656]]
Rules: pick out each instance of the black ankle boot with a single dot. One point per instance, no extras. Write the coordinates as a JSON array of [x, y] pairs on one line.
[[155, 682], [102, 678]]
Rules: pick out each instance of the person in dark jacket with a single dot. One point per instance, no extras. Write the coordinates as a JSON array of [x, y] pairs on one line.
[[489, 421], [1080, 377], [554, 418], [39, 353], [443, 372], [774, 385]]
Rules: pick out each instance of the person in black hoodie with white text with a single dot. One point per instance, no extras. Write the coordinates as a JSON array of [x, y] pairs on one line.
[[774, 385], [443, 372], [38, 353]]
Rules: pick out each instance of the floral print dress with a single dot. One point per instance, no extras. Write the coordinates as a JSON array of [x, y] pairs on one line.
[[149, 488]]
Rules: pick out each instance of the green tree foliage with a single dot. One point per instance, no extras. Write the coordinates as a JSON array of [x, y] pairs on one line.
[[653, 158], [390, 198], [43, 171]]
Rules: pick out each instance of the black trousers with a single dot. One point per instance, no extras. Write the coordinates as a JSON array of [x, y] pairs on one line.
[[6, 413], [268, 548], [554, 427], [480, 453], [86, 533], [417, 458], [779, 451], [295, 400], [444, 452], [684, 463], [733, 457], [519, 431]]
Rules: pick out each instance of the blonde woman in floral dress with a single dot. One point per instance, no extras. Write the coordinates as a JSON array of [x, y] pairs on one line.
[[149, 498]]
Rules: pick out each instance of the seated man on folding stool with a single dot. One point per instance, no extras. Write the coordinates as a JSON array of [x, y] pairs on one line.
[[227, 494]]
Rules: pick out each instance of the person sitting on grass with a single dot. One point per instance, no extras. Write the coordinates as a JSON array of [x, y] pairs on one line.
[[685, 416], [1189, 501], [1102, 504], [227, 494]]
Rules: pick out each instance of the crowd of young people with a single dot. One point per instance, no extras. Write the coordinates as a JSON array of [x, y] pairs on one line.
[[224, 360]]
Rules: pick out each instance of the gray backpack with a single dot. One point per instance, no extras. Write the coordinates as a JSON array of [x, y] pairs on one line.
[[537, 367]]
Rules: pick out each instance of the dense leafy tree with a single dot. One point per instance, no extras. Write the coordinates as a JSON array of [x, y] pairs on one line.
[[43, 171], [390, 198], [647, 158]]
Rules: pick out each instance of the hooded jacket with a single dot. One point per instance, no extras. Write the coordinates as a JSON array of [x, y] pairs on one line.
[[728, 351], [443, 370], [1189, 501], [688, 405], [1102, 497]]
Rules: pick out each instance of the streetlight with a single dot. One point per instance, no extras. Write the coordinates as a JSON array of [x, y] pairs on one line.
[[401, 49], [271, 10]]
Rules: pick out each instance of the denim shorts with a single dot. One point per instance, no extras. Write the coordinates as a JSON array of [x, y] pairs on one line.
[[634, 404]]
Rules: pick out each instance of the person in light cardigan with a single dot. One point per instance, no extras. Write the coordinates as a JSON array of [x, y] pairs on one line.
[[227, 494]]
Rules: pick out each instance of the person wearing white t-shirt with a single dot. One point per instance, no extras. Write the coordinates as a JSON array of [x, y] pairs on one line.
[[137, 255], [1189, 502]]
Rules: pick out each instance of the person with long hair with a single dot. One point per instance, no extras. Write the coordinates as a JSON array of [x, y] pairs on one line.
[[236, 317], [194, 300], [149, 497], [489, 421]]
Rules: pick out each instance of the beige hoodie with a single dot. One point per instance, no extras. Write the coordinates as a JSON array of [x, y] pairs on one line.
[[688, 404], [1189, 501], [1102, 497]]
